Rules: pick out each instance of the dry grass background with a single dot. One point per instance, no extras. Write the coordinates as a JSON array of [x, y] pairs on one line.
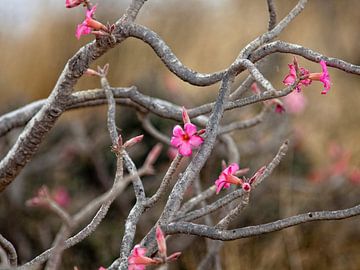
[[207, 37]]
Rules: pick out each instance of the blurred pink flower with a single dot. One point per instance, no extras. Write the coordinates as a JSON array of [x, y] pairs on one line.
[[323, 77], [102, 268], [61, 196], [73, 3], [227, 177], [354, 176], [295, 102], [89, 24], [187, 138]]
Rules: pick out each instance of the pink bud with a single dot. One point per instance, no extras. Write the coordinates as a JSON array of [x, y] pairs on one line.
[[133, 141], [153, 154], [91, 72], [160, 239], [173, 257], [246, 187], [185, 116]]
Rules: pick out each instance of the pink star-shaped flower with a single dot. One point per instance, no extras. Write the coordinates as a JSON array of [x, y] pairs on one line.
[[227, 177], [186, 139]]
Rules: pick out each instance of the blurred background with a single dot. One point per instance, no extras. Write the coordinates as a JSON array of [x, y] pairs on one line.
[[321, 170]]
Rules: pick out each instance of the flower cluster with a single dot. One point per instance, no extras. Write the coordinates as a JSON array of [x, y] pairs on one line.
[[89, 25], [306, 77], [230, 176], [188, 138], [138, 259]]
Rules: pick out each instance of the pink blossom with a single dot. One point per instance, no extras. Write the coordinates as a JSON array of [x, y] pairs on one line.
[[89, 24], [186, 139], [227, 177], [102, 268], [306, 77], [73, 3], [291, 77], [295, 102], [61, 196], [138, 260], [323, 77]]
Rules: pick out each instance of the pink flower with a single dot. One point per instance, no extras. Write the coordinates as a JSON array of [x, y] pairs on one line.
[[323, 77], [295, 102], [89, 24], [102, 268], [61, 196], [306, 77], [291, 77], [138, 260], [227, 177], [187, 138], [73, 3]]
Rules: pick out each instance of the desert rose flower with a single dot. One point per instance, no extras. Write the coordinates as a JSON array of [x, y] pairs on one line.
[[306, 77], [186, 139], [89, 24], [228, 177], [138, 260]]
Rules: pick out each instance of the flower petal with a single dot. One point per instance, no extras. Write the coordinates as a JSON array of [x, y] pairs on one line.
[[176, 141], [190, 129], [178, 131], [196, 140], [185, 149]]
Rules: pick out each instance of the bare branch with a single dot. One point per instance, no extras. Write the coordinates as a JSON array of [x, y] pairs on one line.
[[272, 14], [285, 47], [226, 235], [10, 250]]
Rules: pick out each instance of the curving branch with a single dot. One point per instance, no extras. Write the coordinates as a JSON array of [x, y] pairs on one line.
[[272, 14], [8, 247], [226, 235]]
